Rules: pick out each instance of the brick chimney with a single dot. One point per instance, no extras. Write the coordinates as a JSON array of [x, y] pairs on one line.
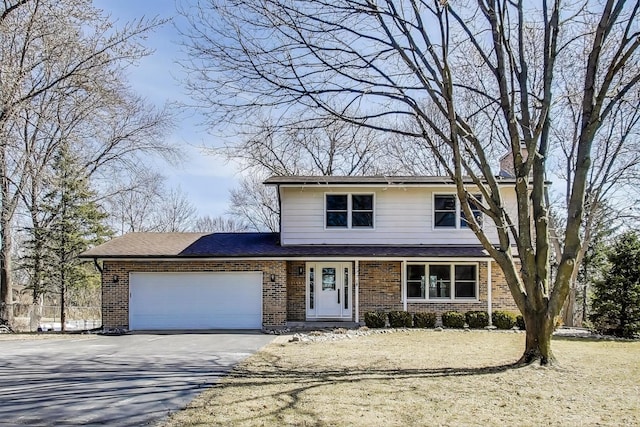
[[506, 163]]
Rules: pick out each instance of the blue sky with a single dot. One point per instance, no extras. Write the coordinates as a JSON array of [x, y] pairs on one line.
[[204, 178]]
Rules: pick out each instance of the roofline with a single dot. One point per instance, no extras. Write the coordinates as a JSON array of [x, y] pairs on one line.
[[292, 258], [374, 181]]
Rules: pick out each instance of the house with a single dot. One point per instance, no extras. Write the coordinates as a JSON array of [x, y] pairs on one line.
[[347, 245]]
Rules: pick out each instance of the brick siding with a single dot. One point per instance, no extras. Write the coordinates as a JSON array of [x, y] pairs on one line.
[[381, 287], [115, 295], [296, 291], [285, 299]]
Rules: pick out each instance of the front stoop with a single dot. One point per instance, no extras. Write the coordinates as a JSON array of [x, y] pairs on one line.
[[307, 326]]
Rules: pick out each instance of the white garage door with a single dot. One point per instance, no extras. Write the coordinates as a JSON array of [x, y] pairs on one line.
[[195, 301]]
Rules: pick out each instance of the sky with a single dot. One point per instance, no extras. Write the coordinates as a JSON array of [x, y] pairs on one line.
[[205, 179]]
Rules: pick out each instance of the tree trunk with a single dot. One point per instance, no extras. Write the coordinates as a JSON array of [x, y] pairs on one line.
[[569, 310], [63, 316], [539, 328], [6, 289]]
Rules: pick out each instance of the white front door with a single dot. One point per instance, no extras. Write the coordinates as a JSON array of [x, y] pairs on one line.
[[329, 291]]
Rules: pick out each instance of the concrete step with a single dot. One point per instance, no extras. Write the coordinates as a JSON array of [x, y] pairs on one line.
[[322, 325]]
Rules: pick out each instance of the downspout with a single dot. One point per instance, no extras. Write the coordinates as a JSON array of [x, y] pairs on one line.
[[489, 297], [279, 213], [403, 284], [356, 276], [95, 262], [100, 269]]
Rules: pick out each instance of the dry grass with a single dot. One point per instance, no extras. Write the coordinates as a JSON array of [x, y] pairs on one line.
[[34, 336], [425, 378]]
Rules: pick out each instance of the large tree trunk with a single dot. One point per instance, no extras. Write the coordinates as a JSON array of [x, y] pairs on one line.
[[569, 310], [539, 329], [6, 288], [63, 316]]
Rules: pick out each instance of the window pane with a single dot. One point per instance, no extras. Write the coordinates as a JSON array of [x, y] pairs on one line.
[[439, 281], [336, 202], [476, 213], [415, 272], [442, 272], [346, 288], [445, 219], [444, 202], [329, 279], [465, 272], [465, 289], [336, 219], [362, 219], [362, 202], [415, 290], [311, 290]]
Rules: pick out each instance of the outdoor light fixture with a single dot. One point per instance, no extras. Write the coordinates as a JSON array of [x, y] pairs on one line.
[[273, 277], [300, 271], [115, 278]]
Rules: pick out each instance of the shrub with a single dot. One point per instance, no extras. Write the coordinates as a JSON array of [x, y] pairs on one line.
[[424, 320], [520, 322], [477, 319], [400, 319], [375, 319], [503, 319], [453, 319]]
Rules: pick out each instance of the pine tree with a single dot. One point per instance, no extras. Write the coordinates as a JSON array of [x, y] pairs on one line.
[[76, 223], [616, 298]]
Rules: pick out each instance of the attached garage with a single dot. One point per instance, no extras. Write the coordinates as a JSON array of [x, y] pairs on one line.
[[206, 300]]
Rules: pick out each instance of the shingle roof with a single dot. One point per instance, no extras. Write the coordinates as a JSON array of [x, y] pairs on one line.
[[368, 180], [257, 245]]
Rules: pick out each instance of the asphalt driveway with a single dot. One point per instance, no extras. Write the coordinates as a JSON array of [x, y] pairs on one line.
[[121, 380]]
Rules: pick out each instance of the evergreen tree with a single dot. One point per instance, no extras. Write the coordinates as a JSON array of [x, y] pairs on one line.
[[76, 223], [616, 298]]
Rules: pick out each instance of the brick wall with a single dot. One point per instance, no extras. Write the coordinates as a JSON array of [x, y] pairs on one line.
[[115, 295], [285, 299], [500, 293], [296, 291], [380, 290], [380, 286]]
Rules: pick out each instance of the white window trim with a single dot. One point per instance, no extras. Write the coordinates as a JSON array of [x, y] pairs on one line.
[[349, 210], [453, 298], [458, 225]]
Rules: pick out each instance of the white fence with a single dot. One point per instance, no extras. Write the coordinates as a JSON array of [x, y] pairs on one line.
[[31, 318]]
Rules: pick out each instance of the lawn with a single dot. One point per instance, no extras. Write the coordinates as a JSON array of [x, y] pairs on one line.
[[424, 377]]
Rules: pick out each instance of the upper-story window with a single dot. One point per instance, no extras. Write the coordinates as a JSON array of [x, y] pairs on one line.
[[349, 210], [447, 212]]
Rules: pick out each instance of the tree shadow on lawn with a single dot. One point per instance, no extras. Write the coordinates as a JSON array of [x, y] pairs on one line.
[[298, 382]]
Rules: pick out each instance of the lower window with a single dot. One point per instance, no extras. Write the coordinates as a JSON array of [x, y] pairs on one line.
[[442, 281]]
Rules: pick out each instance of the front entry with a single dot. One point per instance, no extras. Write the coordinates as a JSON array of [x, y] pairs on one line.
[[329, 291]]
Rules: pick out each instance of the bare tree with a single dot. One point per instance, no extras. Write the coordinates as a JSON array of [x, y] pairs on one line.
[[46, 46], [313, 146], [175, 213], [218, 224], [142, 202], [614, 174], [471, 77], [256, 204]]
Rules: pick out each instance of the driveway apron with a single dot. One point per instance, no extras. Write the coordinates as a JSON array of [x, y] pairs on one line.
[[122, 380]]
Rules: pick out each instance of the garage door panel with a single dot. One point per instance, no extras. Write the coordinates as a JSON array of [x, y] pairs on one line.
[[195, 301]]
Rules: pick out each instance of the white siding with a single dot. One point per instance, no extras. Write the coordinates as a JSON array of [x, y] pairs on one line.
[[402, 216]]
